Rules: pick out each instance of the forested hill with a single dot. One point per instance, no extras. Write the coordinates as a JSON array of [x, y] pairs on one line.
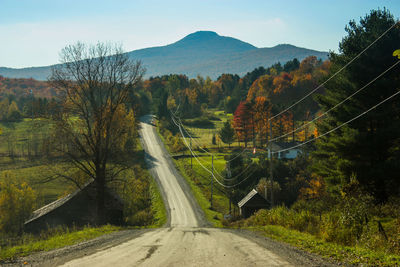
[[24, 87], [203, 52]]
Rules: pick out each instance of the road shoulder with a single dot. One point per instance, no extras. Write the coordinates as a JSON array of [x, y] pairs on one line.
[[62, 255]]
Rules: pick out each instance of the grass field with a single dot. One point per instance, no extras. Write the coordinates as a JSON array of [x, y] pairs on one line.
[[35, 176], [16, 139], [19, 135], [202, 137]]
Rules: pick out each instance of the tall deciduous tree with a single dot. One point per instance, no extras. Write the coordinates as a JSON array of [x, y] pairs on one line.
[[262, 112], [366, 148], [95, 123], [243, 122]]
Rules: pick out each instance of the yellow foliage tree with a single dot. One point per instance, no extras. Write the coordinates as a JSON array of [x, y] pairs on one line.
[[315, 188], [17, 201], [397, 53]]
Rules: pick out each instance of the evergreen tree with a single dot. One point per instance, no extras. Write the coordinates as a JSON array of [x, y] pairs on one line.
[[365, 148], [291, 65], [227, 133]]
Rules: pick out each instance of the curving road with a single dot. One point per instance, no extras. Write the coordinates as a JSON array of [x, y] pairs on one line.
[[187, 242]]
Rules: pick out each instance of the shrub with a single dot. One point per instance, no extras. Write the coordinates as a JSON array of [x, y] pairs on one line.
[[202, 122], [17, 201], [141, 218], [135, 193], [350, 220], [212, 117]]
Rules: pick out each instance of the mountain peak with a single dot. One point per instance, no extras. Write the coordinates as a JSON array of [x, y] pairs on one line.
[[202, 34], [212, 42]]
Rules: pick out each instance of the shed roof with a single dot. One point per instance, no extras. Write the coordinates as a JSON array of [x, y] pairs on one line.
[[59, 202], [55, 204], [247, 198]]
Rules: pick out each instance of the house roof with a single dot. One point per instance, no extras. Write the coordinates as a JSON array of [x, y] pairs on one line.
[[285, 145]]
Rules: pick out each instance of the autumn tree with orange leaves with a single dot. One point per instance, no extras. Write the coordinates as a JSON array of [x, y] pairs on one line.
[[243, 122], [262, 113]]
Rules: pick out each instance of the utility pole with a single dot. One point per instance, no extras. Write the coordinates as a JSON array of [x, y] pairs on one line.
[[270, 164], [212, 179], [265, 190], [32, 106], [229, 174], [191, 154], [30, 142]]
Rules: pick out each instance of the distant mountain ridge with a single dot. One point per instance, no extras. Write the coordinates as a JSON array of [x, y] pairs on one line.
[[201, 53]]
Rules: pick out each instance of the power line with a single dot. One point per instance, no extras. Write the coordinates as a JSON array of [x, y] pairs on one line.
[[294, 104], [219, 174], [211, 154], [340, 103], [193, 153], [345, 66], [239, 154], [299, 145], [196, 155], [206, 169], [306, 96], [340, 126]]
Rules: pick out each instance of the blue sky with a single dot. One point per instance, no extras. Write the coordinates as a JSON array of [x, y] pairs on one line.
[[32, 32]]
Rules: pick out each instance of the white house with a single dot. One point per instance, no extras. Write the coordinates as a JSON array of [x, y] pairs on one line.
[[291, 153]]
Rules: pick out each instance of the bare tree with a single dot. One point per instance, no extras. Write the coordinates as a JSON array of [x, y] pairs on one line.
[[95, 124]]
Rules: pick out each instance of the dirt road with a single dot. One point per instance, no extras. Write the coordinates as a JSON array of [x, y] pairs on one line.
[[188, 241]]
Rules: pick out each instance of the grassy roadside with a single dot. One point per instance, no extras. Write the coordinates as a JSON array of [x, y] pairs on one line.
[[57, 239], [345, 254], [157, 205], [212, 216]]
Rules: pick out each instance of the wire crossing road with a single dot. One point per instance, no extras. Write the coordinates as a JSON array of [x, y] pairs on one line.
[[187, 242]]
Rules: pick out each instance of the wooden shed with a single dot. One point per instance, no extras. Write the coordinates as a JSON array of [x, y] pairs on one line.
[[78, 208], [251, 203]]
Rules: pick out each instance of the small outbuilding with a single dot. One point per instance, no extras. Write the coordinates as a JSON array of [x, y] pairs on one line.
[[251, 203], [78, 208]]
